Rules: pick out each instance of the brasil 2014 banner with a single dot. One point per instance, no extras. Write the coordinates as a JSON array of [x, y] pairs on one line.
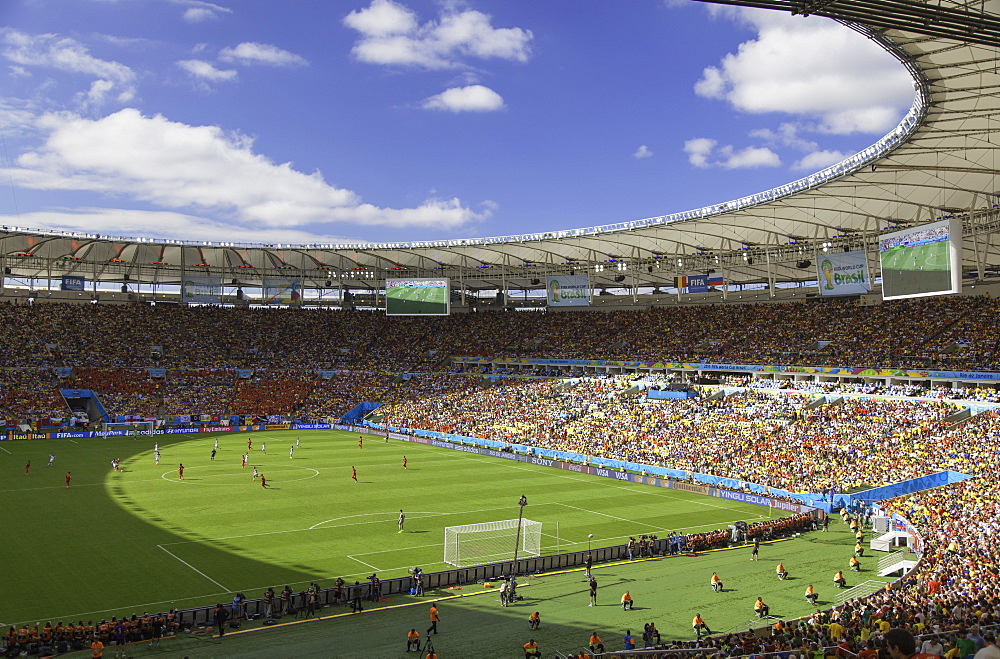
[[845, 273], [568, 291], [200, 289], [282, 291]]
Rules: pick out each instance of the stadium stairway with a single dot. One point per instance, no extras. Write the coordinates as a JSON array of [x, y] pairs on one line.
[[895, 562], [88, 400]]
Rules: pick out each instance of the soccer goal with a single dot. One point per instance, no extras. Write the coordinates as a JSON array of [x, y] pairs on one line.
[[491, 542]]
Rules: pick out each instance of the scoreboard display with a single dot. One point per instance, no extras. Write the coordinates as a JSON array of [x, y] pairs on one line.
[[417, 297]]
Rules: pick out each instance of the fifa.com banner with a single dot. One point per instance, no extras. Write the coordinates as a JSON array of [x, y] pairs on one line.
[[568, 291], [199, 289], [844, 273]]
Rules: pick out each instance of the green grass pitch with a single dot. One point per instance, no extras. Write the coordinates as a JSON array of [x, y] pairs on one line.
[[932, 256], [122, 543], [667, 591]]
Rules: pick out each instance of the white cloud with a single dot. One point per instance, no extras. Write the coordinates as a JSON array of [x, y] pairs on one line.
[[473, 98], [704, 152], [69, 55], [199, 15], [875, 119], [250, 52], [698, 150], [787, 135], [17, 117], [810, 67], [381, 19], [199, 12], [160, 224], [177, 166], [642, 152], [205, 71], [96, 95], [391, 35], [818, 160], [751, 157]]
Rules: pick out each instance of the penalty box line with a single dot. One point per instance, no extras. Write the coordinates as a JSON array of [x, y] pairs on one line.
[[550, 535], [388, 517]]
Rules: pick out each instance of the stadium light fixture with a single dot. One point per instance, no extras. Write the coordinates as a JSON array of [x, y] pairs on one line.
[[521, 503]]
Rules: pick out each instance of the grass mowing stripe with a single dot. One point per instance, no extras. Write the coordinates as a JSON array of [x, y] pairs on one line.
[[644, 489], [248, 538]]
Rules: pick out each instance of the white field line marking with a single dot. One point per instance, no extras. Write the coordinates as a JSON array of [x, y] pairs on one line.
[[314, 474], [330, 576], [389, 517], [414, 515], [645, 489], [363, 563], [73, 440], [193, 568], [594, 512], [564, 541], [5, 451]]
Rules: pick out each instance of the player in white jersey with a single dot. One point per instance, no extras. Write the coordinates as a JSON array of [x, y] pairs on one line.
[[52, 458], [156, 456]]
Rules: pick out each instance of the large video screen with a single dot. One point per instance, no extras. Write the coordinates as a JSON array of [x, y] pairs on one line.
[[417, 297], [922, 261]]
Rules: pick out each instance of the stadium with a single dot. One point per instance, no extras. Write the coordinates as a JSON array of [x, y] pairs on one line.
[[809, 373]]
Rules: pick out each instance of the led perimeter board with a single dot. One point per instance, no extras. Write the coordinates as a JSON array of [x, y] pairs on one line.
[[417, 297], [922, 261]]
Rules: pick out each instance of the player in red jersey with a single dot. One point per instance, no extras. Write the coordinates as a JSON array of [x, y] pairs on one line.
[[263, 481], [69, 477], [354, 474], [180, 472]]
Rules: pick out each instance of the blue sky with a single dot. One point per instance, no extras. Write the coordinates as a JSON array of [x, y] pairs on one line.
[[386, 120]]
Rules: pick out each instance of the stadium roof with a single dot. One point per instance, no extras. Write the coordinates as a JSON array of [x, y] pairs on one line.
[[940, 161]]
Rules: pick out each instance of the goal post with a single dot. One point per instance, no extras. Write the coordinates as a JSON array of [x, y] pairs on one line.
[[491, 542]]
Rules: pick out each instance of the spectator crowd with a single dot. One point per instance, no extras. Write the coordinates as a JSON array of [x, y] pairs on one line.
[[804, 437]]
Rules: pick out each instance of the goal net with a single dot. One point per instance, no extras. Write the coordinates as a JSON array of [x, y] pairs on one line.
[[490, 542]]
